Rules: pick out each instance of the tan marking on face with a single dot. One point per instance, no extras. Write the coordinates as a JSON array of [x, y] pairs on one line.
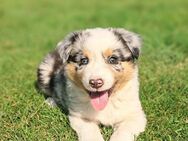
[[73, 75], [122, 77], [108, 53], [87, 53]]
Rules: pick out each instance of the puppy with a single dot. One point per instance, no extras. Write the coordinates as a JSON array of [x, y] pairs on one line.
[[93, 74]]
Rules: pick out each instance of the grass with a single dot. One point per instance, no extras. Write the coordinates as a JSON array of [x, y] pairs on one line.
[[30, 29]]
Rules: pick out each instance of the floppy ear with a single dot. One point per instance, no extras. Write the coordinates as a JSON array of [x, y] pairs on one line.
[[129, 39], [64, 47]]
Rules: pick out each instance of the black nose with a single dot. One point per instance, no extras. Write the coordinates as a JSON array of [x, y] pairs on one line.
[[96, 83]]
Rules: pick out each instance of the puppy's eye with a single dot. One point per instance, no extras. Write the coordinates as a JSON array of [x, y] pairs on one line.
[[113, 60], [84, 61]]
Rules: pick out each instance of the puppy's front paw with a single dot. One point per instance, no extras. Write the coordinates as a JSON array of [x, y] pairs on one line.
[[51, 102]]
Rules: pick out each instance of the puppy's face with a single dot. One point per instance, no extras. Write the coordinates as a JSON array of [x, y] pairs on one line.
[[101, 62]]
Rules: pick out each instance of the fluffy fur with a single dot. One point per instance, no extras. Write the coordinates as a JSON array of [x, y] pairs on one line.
[[93, 75]]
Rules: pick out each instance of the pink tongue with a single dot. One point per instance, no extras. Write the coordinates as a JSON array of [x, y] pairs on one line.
[[99, 100]]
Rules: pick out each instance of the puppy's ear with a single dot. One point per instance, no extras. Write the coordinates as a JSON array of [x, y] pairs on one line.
[[64, 47], [130, 40]]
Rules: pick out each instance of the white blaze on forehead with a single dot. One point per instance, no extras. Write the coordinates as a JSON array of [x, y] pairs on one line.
[[100, 40]]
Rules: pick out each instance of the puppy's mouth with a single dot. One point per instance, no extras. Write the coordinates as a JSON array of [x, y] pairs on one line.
[[99, 99]]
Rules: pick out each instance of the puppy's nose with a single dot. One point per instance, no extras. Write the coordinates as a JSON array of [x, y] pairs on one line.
[[96, 83]]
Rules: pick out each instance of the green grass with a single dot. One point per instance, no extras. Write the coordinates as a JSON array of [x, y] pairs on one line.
[[30, 29]]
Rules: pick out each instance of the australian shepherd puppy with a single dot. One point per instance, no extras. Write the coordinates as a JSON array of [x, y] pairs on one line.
[[93, 74]]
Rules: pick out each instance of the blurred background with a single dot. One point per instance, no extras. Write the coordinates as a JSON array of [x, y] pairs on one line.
[[30, 29]]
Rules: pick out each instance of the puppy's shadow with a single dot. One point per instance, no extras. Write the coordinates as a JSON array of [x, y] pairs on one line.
[[63, 109]]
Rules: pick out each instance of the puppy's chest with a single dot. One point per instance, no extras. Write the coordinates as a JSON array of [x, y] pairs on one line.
[[112, 114]]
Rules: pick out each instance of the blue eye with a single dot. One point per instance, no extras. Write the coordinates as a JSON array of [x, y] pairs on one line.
[[84, 61], [113, 60]]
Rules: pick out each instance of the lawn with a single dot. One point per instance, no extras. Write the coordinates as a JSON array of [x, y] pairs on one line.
[[30, 29]]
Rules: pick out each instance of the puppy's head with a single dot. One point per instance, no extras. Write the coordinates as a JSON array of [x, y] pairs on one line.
[[100, 61]]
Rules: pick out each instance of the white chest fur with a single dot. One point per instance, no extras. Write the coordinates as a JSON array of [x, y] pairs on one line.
[[119, 107]]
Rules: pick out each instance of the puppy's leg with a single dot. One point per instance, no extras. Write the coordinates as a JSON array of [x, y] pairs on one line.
[[86, 130], [129, 129]]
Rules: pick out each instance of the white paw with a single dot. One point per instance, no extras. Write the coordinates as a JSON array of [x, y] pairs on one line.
[[51, 102]]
